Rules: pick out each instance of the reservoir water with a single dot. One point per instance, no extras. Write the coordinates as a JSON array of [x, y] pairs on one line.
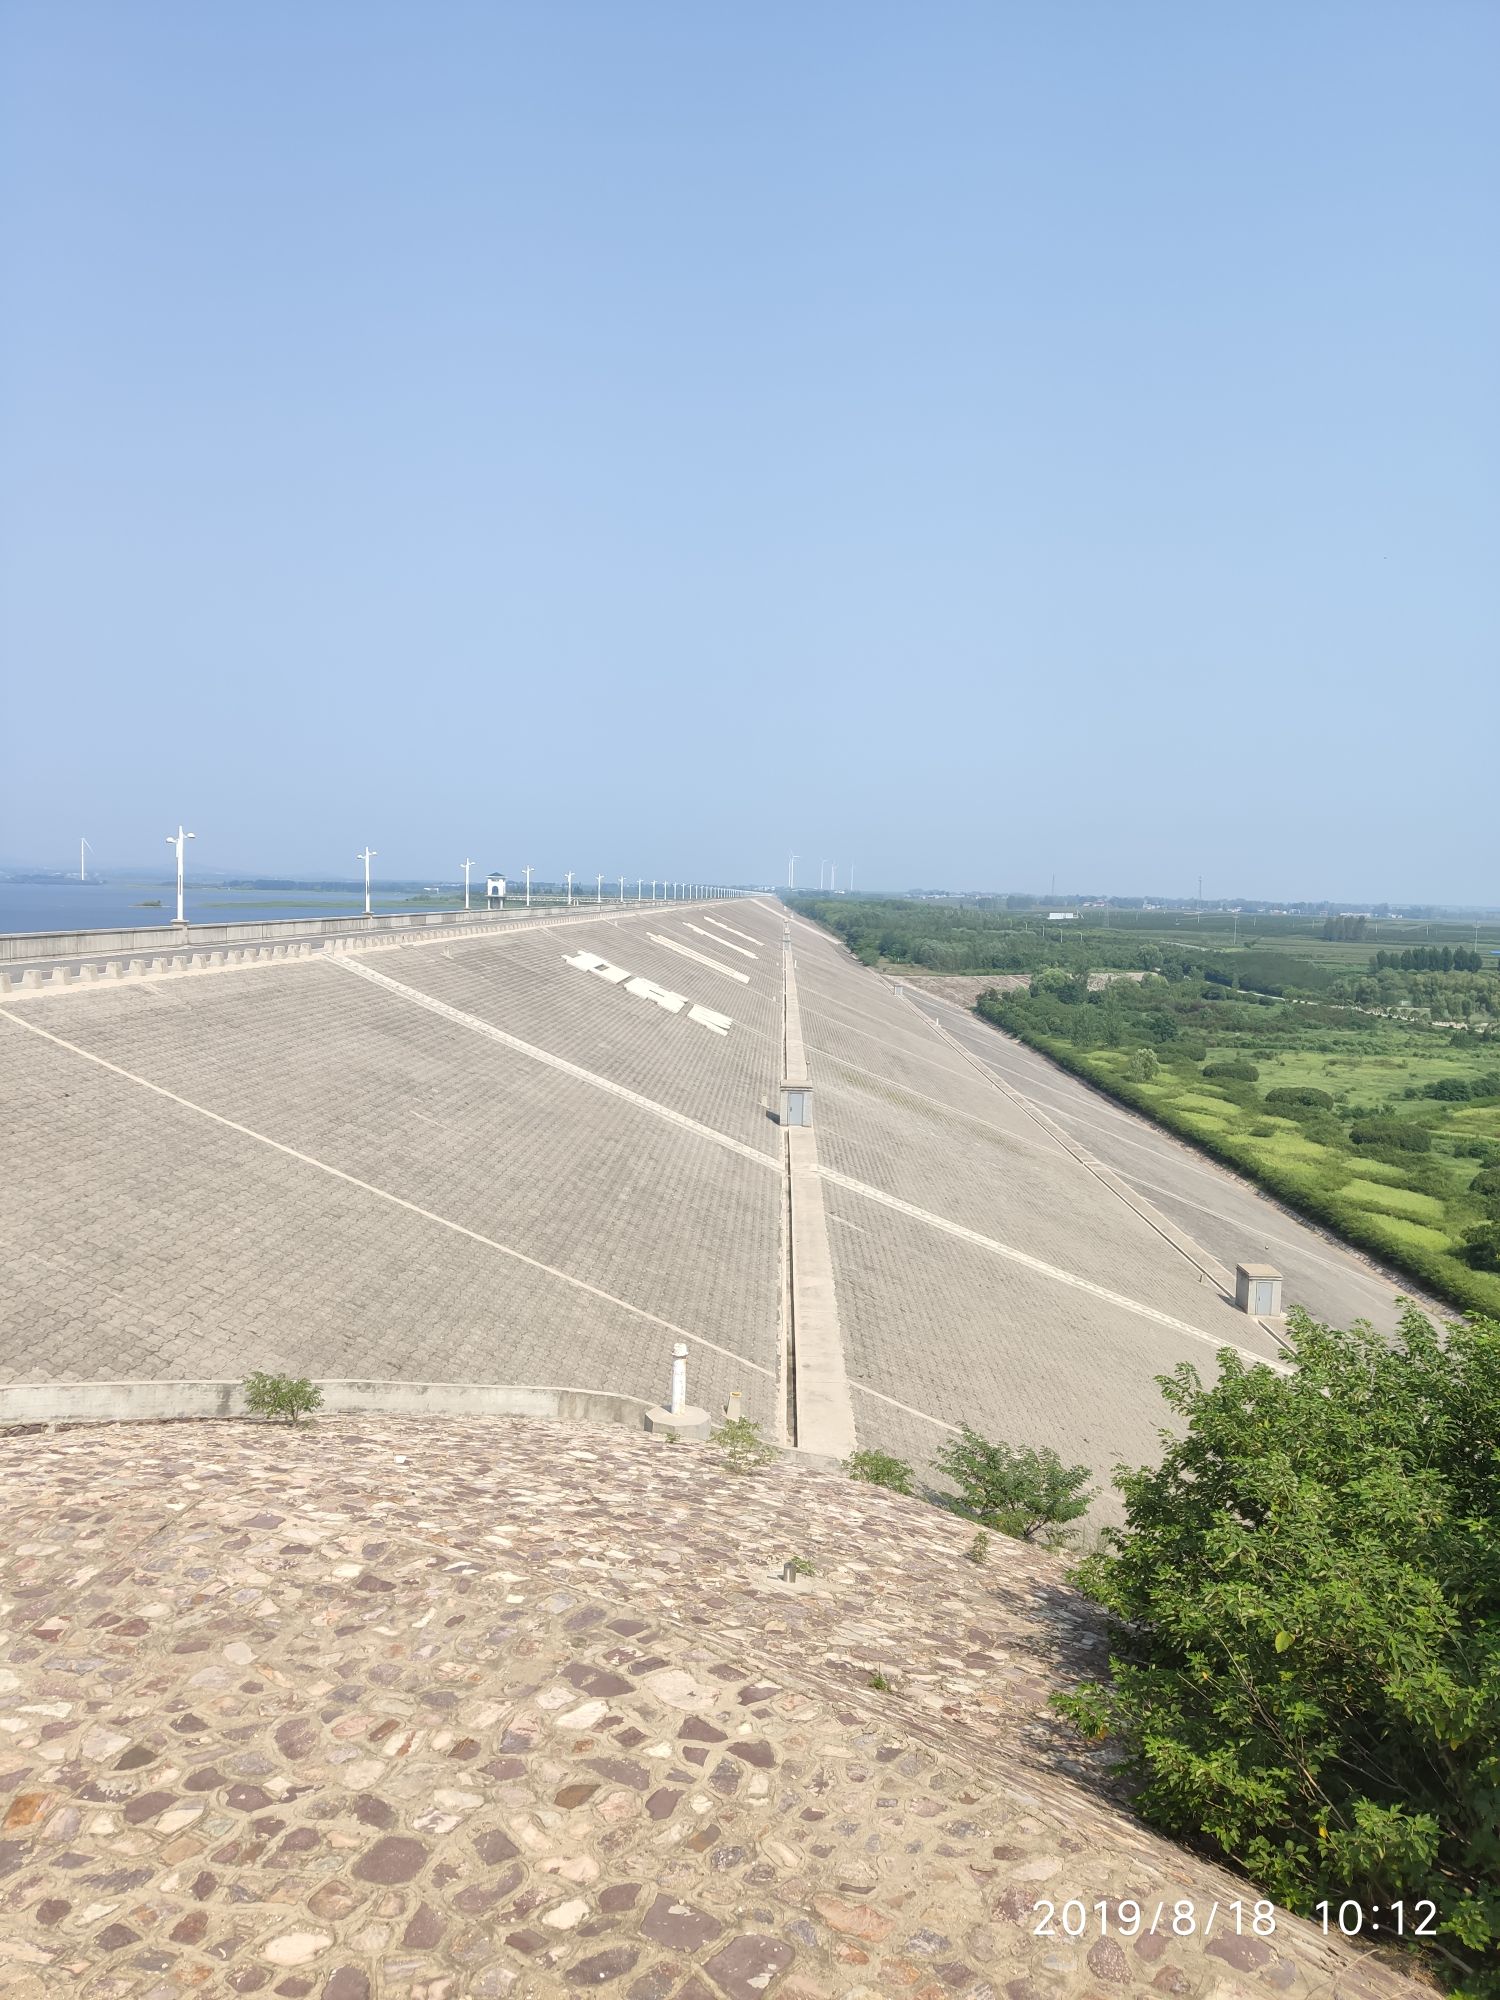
[[67, 906]]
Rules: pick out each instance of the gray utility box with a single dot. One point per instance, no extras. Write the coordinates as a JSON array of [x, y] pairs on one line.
[[1257, 1290], [796, 1104]]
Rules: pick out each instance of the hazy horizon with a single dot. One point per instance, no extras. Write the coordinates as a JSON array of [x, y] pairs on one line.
[[150, 870], [974, 443]]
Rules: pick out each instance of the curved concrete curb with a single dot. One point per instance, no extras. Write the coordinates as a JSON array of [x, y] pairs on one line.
[[137, 1402]]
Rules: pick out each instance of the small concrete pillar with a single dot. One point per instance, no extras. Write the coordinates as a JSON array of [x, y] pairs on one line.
[[679, 1415], [1257, 1290], [89, 972], [161, 965], [796, 1102], [31, 979], [114, 970], [62, 975]]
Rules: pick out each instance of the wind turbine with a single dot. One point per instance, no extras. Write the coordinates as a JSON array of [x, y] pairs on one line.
[[791, 869]]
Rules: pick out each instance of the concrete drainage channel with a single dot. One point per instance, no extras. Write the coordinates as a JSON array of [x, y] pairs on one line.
[[157, 1402]]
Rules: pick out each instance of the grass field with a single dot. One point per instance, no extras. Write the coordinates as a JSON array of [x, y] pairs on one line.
[[1368, 1151], [1412, 1209]]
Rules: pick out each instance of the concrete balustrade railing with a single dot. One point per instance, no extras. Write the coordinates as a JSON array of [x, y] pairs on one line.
[[62, 977], [397, 928], [147, 1402]]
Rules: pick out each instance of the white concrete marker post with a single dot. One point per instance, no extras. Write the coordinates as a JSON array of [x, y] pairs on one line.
[[179, 840], [679, 1416]]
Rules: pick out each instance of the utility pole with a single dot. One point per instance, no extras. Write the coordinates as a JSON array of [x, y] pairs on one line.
[[367, 857], [467, 866], [177, 840]]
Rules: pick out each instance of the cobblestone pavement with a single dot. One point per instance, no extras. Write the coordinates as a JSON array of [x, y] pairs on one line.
[[381, 1707]]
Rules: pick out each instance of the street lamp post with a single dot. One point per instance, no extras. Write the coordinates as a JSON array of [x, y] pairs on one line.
[[367, 857], [622, 888], [599, 891], [178, 840], [467, 866], [570, 888], [526, 871]]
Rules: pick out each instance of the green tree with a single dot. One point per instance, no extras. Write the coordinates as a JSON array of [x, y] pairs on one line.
[[288, 1396], [1022, 1492], [1307, 1597], [880, 1468], [1143, 1065]]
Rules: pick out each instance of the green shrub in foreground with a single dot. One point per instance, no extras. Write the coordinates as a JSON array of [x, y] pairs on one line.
[[1307, 1591], [1018, 1491], [740, 1445], [881, 1468], [291, 1397]]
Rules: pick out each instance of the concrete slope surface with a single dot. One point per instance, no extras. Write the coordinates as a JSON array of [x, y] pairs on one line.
[[545, 1154]]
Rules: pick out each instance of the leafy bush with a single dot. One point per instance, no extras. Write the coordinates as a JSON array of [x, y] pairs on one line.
[[1482, 1246], [879, 1468], [1398, 1135], [1297, 1095], [741, 1446], [1024, 1493], [1307, 1590], [291, 1397], [1143, 1065], [1487, 1182], [1233, 1072]]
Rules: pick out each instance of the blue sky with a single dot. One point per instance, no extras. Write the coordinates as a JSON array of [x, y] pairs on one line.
[[984, 442]]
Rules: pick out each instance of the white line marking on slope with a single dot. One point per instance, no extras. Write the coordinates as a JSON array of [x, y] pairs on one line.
[[383, 1194], [686, 951], [473, 1023], [718, 925], [722, 943], [1043, 1269]]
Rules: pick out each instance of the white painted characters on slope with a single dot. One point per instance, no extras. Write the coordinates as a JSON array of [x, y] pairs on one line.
[[647, 989]]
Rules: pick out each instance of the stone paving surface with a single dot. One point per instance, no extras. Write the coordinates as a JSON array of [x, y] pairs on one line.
[[381, 1707], [144, 1238]]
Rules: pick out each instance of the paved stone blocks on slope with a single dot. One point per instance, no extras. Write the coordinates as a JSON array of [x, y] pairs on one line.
[[485, 1138]]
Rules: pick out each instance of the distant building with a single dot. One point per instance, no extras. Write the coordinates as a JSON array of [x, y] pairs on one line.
[[494, 889], [1062, 916]]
